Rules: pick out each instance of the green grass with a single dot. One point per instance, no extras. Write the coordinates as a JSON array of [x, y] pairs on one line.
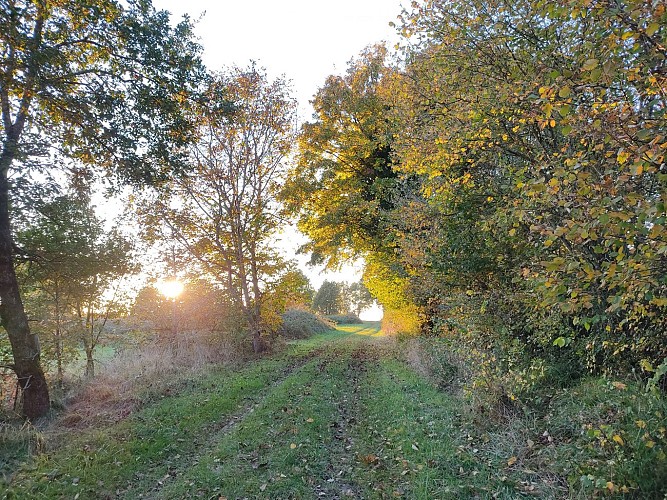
[[102, 355], [413, 445], [344, 414], [281, 448], [367, 328], [146, 445], [18, 441], [301, 324]]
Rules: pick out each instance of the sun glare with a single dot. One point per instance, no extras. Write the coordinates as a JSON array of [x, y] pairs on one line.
[[170, 288]]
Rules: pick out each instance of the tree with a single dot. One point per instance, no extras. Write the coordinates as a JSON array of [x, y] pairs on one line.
[[359, 296], [343, 183], [293, 289], [539, 131], [225, 211], [331, 298], [345, 186], [105, 83], [74, 261], [202, 306]]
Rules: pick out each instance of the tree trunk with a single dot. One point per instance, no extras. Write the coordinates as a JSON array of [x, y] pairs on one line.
[[59, 340], [258, 344], [89, 342], [90, 363], [25, 346], [59, 358]]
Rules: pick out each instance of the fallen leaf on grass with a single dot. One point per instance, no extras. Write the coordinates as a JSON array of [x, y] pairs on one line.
[[512, 461], [369, 459]]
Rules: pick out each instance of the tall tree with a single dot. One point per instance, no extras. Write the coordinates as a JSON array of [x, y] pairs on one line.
[[359, 297], [105, 83], [342, 185], [345, 186], [331, 298], [225, 211]]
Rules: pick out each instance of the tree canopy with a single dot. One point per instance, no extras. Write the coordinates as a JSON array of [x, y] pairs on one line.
[[106, 84], [224, 212], [523, 175]]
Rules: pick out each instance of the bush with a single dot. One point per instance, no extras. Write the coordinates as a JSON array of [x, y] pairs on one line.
[[300, 324], [401, 322], [344, 319], [586, 436]]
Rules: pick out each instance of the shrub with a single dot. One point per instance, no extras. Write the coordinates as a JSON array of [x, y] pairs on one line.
[[589, 436], [299, 324], [344, 319], [400, 321]]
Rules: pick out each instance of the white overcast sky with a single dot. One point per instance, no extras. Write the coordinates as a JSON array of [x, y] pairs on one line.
[[304, 40]]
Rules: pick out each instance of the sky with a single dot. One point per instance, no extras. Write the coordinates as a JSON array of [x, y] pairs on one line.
[[304, 40]]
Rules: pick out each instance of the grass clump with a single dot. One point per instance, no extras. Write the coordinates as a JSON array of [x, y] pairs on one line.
[[146, 372], [301, 324], [18, 441]]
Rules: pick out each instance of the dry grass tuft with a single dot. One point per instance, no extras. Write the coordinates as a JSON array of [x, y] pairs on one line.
[[137, 373]]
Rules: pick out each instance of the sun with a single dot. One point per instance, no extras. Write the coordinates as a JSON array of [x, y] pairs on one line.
[[170, 288]]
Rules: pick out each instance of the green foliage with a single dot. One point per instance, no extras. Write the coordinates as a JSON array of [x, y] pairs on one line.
[[534, 424], [331, 298], [73, 262], [234, 431], [344, 319], [106, 84], [290, 290], [342, 185], [359, 296], [301, 324], [294, 289], [550, 170], [96, 80]]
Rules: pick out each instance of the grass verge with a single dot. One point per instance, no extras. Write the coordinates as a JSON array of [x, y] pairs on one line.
[[585, 438], [146, 446]]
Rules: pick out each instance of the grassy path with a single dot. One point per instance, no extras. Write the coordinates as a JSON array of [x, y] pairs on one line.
[[339, 415]]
